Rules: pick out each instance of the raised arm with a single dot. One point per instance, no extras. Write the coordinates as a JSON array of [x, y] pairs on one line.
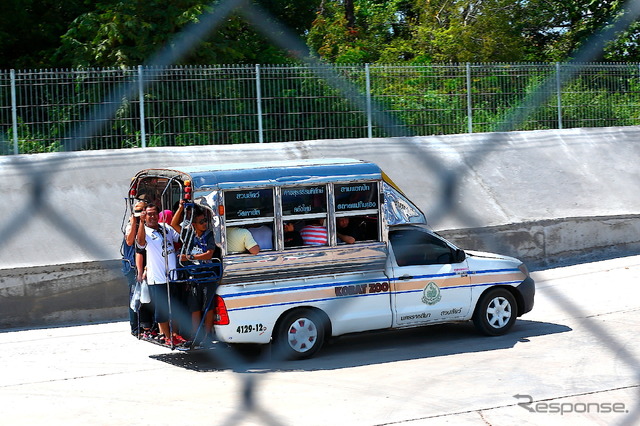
[[177, 217], [141, 237], [130, 237]]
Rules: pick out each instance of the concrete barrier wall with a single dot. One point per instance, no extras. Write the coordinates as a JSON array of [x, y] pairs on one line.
[[553, 242], [59, 294], [542, 196]]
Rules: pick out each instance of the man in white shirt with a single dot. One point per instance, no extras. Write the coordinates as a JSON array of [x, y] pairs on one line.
[[158, 239]]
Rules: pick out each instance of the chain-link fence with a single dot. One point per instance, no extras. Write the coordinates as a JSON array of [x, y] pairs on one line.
[[182, 106], [160, 105]]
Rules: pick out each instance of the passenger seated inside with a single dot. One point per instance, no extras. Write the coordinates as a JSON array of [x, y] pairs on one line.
[[263, 235], [292, 237], [346, 231], [240, 240], [315, 233]]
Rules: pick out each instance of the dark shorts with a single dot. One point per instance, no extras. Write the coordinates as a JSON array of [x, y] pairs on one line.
[[196, 296], [192, 297], [208, 294], [159, 298]]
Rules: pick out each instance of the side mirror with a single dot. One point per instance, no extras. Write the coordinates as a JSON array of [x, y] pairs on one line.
[[459, 256]]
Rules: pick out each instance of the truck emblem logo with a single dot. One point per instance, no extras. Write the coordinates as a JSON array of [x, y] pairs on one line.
[[431, 294]]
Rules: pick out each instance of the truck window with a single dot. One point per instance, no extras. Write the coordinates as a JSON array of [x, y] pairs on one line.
[[252, 209], [357, 212], [305, 207], [357, 229], [412, 247]]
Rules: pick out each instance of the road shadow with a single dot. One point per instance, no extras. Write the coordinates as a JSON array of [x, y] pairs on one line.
[[364, 348]]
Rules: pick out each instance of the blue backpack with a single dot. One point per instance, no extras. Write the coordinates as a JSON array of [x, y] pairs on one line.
[[128, 257]]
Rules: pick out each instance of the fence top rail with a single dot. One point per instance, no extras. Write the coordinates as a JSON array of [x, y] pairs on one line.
[[320, 66]]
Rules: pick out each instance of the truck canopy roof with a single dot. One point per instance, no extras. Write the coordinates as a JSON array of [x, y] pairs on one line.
[[270, 173]]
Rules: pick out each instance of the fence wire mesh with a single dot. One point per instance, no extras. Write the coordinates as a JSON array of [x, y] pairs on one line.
[[183, 106], [97, 109]]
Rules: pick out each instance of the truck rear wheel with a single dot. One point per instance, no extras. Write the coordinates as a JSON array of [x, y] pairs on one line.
[[300, 334]]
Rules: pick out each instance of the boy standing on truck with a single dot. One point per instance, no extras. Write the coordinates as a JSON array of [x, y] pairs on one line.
[[200, 249]]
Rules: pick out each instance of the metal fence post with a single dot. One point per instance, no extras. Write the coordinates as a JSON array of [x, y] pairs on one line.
[[367, 73], [14, 112], [259, 105], [143, 129], [559, 94], [469, 105]]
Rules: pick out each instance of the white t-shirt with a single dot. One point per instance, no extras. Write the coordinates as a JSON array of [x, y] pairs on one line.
[[156, 267], [263, 236]]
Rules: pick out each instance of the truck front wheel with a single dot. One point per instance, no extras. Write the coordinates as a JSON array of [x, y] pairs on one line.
[[495, 312]]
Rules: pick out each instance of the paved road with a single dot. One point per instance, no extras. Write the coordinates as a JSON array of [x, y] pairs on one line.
[[574, 359]]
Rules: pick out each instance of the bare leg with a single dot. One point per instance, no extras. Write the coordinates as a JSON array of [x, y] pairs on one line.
[[195, 322], [208, 322], [164, 329]]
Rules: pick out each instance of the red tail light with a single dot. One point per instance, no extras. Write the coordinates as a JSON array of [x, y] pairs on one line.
[[187, 189], [222, 316]]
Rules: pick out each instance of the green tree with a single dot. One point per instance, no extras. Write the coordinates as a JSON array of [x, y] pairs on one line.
[[469, 31], [418, 30], [126, 33], [556, 29], [625, 48], [466, 30], [358, 31]]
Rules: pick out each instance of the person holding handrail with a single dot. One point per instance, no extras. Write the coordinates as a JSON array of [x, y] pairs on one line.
[[158, 239], [200, 249]]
